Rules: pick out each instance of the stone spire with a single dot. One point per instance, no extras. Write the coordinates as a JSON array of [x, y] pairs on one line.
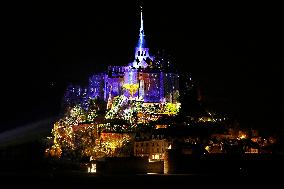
[[141, 50], [141, 42]]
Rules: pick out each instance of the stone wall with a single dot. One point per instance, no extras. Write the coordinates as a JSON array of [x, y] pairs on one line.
[[128, 165]]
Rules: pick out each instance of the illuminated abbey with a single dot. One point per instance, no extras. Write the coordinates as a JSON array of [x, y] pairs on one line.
[[148, 78], [135, 111], [104, 118]]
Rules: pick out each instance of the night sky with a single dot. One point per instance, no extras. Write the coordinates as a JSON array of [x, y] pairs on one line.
[[234, 53]]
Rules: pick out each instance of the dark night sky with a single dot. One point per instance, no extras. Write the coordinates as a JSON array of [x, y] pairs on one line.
[[234, 53]]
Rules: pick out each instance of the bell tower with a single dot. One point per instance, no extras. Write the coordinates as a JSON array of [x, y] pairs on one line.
[[141, 50]]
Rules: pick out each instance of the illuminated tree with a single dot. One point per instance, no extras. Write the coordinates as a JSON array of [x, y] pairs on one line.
[[119, 103], [75, 115], [171, 108]]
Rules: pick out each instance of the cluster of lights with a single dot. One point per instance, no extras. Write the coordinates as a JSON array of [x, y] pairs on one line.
[[85, 140], [129, 109], [79, 131]]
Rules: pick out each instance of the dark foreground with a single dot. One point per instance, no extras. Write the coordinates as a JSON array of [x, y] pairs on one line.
[[217, 171], [73, 179], [44, 176]]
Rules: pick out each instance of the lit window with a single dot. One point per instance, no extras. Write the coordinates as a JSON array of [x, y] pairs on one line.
[[92, 169]]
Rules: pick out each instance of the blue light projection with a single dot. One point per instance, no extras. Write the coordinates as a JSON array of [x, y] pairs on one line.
[[141, 42]]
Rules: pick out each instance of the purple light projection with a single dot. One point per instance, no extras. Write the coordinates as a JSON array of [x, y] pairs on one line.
[[156, 84]]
